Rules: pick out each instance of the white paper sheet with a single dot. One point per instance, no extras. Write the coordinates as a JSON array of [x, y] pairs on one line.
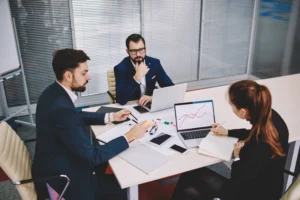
[[144, 158]]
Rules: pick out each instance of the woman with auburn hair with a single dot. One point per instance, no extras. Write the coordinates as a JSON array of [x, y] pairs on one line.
[[259, 156]]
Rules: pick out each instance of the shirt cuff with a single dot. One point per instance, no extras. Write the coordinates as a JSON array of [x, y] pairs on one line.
[[106, 118], [109, 117], [136, 81], [236, 159], [126, 139]]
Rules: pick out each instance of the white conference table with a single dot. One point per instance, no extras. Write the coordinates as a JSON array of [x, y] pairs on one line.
[[286, 98]]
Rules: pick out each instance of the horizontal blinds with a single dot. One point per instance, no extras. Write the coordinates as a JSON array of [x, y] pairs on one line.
[[43, 27], [172, 33], [225, 37], [101, 28]]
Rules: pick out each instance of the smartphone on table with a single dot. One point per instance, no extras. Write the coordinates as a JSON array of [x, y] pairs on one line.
[[179, 149], [140, 109], [160, 139]]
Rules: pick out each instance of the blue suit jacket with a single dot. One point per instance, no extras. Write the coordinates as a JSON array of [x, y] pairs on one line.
[[65, 146], [128, 89]]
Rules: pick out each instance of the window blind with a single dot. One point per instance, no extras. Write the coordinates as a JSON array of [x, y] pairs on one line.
[[43, 27], [225, 37], [172, 33], [101, 28]]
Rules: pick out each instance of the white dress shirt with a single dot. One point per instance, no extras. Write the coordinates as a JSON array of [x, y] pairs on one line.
[[142, 83], [108, 118]]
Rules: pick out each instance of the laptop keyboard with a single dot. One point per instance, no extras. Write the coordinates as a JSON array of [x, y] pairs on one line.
[[195, 134]]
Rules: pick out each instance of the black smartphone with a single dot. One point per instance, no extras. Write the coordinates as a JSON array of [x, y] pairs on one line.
[[179, 149], [160, 139], [140, 109]]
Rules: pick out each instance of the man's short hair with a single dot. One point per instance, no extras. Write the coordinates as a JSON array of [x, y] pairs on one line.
[[135, 38], [67, 59]]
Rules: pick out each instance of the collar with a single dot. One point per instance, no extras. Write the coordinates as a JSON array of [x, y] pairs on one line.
[[71, 94]]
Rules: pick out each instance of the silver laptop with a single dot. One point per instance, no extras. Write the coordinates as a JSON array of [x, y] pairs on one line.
[[193, 121], [166, 97]]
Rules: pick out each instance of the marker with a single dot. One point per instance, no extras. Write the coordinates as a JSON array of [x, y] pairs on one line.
[[164, 122]]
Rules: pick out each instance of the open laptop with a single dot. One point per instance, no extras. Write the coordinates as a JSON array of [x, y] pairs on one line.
[[166, 97], [193, 121]]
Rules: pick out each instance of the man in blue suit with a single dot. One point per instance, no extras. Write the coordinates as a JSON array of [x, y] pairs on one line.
[[137, 74], [64, 144]]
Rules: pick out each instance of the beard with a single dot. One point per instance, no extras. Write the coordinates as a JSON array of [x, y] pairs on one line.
[[79, 88], [137, 60]]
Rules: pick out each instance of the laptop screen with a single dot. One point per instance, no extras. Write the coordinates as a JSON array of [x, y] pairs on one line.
[[194, 115]]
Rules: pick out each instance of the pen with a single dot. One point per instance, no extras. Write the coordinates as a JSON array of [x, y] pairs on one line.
[[134, 121], [220, 124], [134, 117]]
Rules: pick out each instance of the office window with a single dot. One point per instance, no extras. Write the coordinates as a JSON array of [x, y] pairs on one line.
[[101, 28], [225, 37], [277, 44], [172, 33], [43, 27]]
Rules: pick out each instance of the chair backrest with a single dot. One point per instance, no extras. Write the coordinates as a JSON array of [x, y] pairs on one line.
[[111, 81], [15, 161], [293, 192]]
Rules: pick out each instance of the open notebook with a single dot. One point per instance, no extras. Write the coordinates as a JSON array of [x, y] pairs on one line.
[[217, 146]]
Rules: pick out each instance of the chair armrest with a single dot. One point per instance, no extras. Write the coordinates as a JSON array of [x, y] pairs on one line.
[[111, 96], [29, 140], [290, 173], [44, 179]]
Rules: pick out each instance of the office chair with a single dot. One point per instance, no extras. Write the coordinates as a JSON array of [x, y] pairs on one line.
[[111, 82], [15, 161], [293, 192]]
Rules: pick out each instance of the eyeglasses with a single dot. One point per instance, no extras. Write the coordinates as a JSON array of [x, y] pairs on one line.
[[134, 51]]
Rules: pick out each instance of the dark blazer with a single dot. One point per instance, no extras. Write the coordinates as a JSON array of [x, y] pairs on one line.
[[64, 145], [128, 89], [257, 175]]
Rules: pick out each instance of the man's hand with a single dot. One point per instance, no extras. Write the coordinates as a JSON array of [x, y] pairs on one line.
[[141, 71], [220, 131], [121, 115], [144, 100], [237, 148], [138, 131]]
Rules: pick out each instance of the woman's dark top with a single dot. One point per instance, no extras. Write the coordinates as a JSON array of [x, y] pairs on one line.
[[257, 175]]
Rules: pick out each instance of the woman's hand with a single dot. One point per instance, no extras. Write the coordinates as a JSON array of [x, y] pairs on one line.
[[237, 148], [219, 130]]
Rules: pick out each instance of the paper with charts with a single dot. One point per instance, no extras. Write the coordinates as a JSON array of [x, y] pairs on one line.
[[194, 115]]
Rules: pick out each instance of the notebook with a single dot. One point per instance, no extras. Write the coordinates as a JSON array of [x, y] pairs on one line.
[[144, 158], [217, 146]]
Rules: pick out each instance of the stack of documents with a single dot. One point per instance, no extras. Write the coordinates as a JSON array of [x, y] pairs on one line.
[[144, 158], [217, 146]]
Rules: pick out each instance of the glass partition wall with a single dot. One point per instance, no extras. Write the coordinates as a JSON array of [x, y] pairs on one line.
[[203, 42]]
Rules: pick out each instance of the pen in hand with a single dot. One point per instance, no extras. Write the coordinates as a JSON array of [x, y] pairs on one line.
[[134, 121], [134, 117], [220, 125], [217, 132]]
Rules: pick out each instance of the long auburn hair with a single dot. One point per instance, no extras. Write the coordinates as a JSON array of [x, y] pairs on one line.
[[257, 100]]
